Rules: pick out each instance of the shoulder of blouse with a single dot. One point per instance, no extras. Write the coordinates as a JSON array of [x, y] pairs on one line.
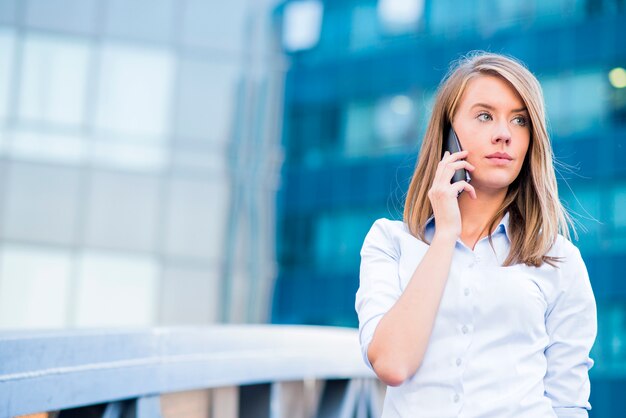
[[391, 229], [564, 248]]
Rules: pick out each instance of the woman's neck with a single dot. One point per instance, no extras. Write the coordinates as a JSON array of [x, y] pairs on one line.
[[475, 214]]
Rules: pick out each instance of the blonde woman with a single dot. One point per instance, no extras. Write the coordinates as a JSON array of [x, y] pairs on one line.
[[478, 304]]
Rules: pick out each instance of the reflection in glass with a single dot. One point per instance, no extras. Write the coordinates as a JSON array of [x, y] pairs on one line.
[[216, 26], [130, 223], [395, 121], [190, 295], [619, 203], [135, 92], [77, 16], [42, 203], [359, 128], [116, 290], [302, 24], [7, 50], [338, 239], [576, 103], [156, 22], [53, 80], [398, 16], [206, 105], [197, 214], [364, 27], [34, 287], [617, 77]]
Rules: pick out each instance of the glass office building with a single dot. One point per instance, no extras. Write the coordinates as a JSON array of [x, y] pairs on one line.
[[358, 90]]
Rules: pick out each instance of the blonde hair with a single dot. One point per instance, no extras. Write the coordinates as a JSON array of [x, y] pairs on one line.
[[536, 216]]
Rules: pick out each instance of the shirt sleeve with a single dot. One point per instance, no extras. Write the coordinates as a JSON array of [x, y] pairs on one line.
[[379, 287], [571, 323]]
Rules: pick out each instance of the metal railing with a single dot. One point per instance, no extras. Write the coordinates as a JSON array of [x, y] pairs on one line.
[[222, 371]]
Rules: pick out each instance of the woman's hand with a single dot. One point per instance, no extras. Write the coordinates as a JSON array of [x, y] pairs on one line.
[[443, 195]]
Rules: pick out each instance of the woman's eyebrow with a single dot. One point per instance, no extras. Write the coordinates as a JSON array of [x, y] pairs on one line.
[[490, 107]]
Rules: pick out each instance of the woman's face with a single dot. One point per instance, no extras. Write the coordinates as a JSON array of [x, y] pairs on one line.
[[491, 118]]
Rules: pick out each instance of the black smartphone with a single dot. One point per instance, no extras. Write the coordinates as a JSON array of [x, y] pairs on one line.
[[451, 143]]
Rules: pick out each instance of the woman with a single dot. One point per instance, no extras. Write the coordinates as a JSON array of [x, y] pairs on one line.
[[478, 304]]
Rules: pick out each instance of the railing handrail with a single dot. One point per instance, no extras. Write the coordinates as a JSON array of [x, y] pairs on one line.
[[53, 370]]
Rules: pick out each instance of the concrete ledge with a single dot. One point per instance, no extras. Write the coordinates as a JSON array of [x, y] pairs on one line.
[[46, 371]]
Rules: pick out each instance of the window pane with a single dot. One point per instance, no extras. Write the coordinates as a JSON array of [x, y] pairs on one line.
[[359, 128], [130, 223], [338, 239], [197, 218], [302, 21], [400, 16], [558, 11], [7, 11], [215, 25], [207, 100], [585, 208], [189, 296], [588, 99], [619, 206], [364, 25], [116, 290], [135, 91], [65, 15], [33, 287], [395, 122], [155, 24], [442, 21], [53, 80], [494, 15], [41, 203], [575, 103], [7, 51]]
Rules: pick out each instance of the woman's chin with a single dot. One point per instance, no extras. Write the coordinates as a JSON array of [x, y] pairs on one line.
[[491, 186]]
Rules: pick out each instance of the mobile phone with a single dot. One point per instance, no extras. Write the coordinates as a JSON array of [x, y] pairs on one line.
[[451, 143]]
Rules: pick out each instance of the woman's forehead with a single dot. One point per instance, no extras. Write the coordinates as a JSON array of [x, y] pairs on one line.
[[493, 91]]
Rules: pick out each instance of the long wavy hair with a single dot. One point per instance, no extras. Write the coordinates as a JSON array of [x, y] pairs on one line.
[[536, 215]]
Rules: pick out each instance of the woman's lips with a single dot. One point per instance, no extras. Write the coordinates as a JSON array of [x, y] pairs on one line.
[[500, 161]]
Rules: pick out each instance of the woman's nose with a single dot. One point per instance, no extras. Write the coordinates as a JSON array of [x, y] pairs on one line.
[[502, 134]]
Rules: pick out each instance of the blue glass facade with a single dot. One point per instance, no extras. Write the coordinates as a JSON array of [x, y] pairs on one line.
[[357, 102]]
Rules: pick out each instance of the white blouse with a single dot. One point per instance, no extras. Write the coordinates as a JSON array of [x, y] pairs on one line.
[[507, 341]]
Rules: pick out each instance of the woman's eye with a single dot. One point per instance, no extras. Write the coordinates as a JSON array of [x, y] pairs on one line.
[[483, 117], [520, 120]]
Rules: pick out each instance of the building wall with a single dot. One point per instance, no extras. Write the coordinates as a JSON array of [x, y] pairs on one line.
[[357, 102], [138, 162]]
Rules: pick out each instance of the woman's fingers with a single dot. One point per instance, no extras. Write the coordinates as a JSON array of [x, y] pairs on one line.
[[449, 164], [457, 165], [459, 186], [447, 157]]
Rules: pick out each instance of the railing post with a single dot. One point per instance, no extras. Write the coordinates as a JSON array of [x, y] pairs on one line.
[[332, 398], [114, 410], [254, 400], [295, 399], [148, 407], [225, 402]]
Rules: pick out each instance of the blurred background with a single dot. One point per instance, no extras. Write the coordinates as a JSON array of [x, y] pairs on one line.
[[191, 162]]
